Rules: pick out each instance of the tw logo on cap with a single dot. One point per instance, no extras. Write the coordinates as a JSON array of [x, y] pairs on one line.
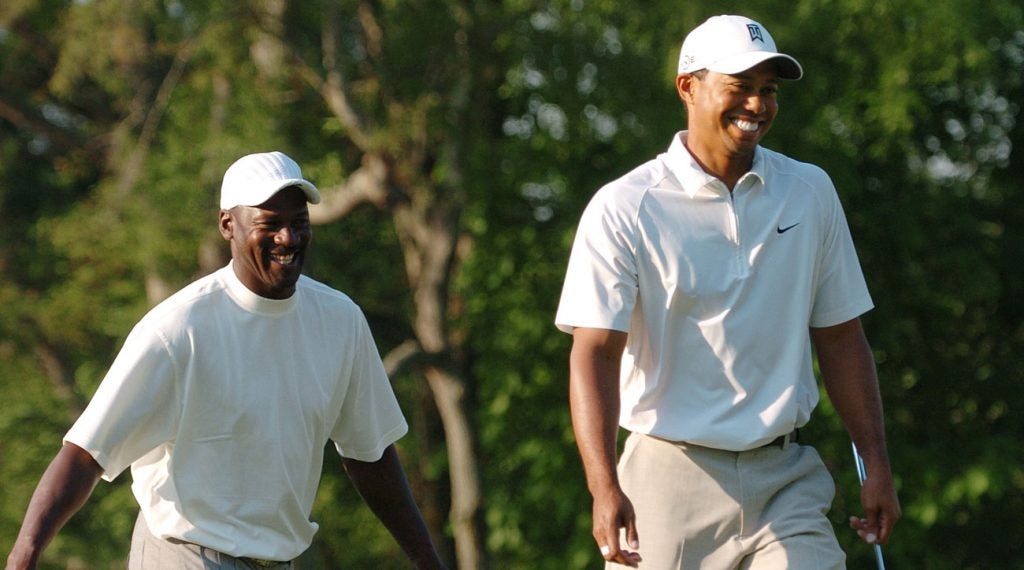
[[755, 32]]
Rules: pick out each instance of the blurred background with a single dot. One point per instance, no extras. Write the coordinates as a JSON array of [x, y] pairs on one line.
[[456, 143]]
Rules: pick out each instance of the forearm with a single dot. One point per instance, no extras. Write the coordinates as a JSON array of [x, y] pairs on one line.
[[383, 486], [594, 402], [848, 371], [849, 375], [64, 487]]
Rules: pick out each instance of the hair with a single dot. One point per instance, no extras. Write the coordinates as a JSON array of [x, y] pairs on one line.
[[699, 74]]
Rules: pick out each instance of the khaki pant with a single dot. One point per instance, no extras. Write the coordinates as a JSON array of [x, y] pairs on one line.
[[152, 553], [707, 509]]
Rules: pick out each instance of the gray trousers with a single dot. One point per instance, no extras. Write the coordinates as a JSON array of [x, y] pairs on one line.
[[152, 553]]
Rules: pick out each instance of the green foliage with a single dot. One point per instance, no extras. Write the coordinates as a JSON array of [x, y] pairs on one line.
[[117, 121]]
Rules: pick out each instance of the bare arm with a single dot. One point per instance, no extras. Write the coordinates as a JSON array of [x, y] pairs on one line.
[[848, 371], [64, 487], [594, 400], [383, 486]]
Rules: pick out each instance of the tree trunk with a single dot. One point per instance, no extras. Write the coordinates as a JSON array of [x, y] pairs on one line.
[[464, 472], [399, 176], [428, 231]]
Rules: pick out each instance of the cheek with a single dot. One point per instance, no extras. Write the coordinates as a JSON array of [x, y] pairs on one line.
[[256, 246]]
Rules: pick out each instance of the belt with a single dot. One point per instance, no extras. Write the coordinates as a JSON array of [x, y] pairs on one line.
[[260, 562], [783, 441]]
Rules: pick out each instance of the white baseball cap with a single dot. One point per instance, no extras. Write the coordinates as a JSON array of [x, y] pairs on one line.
[[732, 44], [255, 178]]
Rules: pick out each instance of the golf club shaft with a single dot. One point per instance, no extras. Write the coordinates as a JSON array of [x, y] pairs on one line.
[[862, 475]]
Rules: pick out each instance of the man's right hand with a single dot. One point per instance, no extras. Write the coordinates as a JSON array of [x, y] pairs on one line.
[[613, 512]]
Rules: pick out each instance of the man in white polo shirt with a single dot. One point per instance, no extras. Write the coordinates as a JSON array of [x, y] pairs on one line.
[[696, 286], [222, 399]]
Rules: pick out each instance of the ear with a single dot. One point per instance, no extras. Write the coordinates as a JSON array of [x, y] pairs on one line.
[[684, 86], [226, 225]]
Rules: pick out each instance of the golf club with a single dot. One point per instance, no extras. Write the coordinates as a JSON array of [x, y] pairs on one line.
[[862, 475]]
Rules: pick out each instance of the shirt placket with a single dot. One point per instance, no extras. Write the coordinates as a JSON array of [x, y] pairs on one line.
[[735, 234], [738, 203]]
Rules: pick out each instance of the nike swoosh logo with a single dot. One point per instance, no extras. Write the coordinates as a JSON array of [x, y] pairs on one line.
[[783, 230]]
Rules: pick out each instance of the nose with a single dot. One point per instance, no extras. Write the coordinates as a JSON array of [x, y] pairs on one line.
[[286, 236], [756, 104]]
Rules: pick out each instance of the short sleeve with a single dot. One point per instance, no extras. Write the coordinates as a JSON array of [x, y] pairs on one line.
[[135, 408], [841, 293], [370, 418], [600, 287]]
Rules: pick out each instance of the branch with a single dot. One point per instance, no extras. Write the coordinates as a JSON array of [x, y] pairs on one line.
[[331, 88], [130, 173], [401, 356], [60, 378], [38, 125], [372, 32], [367, 184]]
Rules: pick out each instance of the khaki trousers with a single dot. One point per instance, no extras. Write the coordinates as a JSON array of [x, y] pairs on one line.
[[151, 553], [707, 509]]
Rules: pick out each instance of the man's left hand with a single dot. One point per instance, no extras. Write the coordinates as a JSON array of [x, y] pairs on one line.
[[881, 508]]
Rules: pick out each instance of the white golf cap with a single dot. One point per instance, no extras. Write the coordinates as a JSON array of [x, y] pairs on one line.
[[255, 178], [733, 44]]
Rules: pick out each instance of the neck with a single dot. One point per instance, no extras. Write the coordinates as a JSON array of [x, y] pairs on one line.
[[727, 168]]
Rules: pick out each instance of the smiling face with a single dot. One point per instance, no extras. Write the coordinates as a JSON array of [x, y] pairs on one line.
[[268, 242], [729, 114]]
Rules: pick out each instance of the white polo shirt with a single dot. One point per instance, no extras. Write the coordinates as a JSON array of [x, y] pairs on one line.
[[717, 291], [222, 402]]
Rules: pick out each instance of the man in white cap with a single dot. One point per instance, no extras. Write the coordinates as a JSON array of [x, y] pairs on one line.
[[696, 287], [222, 399]]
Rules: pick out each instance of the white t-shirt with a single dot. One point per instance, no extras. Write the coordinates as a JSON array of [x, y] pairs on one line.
[[222, 401], [717, 291]]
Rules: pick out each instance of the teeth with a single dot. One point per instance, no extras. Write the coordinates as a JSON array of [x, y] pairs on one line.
[[283, 259], [746, 126]]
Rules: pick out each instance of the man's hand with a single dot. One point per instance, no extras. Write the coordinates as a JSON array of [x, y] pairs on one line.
[[612, 512], [881, 508]]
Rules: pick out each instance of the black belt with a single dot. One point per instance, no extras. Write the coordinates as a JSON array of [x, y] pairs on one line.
[[783, 441], [260, 562]]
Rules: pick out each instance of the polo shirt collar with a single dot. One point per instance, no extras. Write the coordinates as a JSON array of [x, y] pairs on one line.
[[693, 179]]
